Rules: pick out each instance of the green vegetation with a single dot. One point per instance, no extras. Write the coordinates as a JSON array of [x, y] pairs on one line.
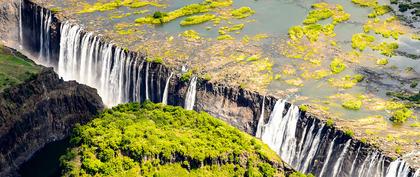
[[225, 37], [361, 41], [337, 66], [352, 104], [347, 81], [15, 68], [191, 35], [157, 140], [186, 76], [304, 107], [324, 11], [242, 12], [401, 115], [366, 3], [329, 123], [298, 174], [382, 61], [101, 7], [190, 9], [349, 132], [389, 27], [380, 10], [197, 19], [387, 49]]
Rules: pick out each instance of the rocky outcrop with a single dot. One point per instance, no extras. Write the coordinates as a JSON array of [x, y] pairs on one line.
[[41, 110], [8, 20]]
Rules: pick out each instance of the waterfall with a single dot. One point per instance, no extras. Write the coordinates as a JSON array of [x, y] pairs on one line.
[[354, 162], [398, 168], [261, 120], [147, 81], [119, 77], [165, 92], [338, 164], [190, 96], [115, 72], [305, 151], [330, 149], [280, 131]]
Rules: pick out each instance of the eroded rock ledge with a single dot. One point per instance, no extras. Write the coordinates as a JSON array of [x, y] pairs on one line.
[[41, 110]]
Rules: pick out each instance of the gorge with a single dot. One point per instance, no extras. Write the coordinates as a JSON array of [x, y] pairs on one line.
[[308, 143]]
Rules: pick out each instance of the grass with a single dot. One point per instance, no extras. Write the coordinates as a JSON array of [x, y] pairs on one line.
[[15, 69], [190, 9], [401, 115], [337, 66], [242, 12], [112, 5], [197, 19], [157, 140], [387, 49], [361, 41]]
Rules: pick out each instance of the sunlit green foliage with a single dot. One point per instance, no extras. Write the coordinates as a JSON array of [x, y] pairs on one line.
[[366, 3], [14, 69], [352, 104], [337, 66], [324, 11], [387, 49], [190, 9], [382, 61], [298, 174], [157, 140], [186, 76], [380, 10], [401, 115], [191, 35], [361, 41], [197, 19], [101, 7], [389, 27], [242, 12], [225, 37]]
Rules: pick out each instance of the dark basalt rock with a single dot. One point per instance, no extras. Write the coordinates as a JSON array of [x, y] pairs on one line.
[[40, 111]]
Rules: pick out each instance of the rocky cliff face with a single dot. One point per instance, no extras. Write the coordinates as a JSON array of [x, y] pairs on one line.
[[8, 20], [40, 111]]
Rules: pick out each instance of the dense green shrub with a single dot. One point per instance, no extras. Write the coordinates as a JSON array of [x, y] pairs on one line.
[[157, 140]]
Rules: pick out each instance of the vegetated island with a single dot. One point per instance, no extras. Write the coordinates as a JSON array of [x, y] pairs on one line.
[[157, 140]]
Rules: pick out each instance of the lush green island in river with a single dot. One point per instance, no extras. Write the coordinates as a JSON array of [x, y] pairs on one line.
[[157, 140]]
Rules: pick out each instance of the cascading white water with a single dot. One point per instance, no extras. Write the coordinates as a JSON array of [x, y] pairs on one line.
[[261, 120], [113, 71], [20, 24], [280, 134], [280, 131], [165, 92], [338, 163], [330, 149], [190, 96], [147, 81], [44, 38], [398, 168]]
